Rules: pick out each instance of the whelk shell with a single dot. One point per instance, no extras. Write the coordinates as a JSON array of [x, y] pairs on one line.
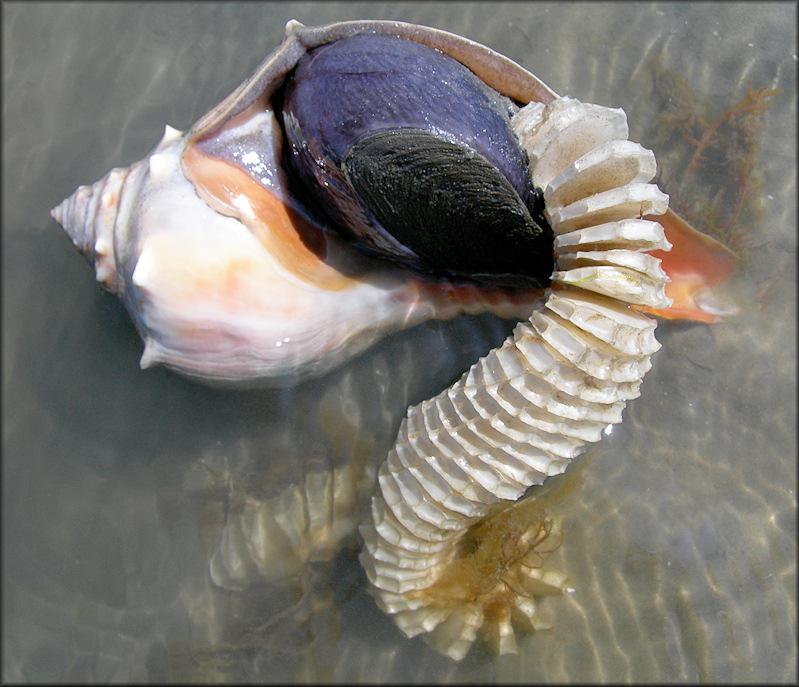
[[226, 272]]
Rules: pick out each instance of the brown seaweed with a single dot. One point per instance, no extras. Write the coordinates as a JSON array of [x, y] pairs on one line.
[[714, 175]]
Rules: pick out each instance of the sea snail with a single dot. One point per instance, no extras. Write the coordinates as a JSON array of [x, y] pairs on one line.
[[370, 175]]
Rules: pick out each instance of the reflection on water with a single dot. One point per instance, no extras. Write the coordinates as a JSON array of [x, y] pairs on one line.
[[678, 528]]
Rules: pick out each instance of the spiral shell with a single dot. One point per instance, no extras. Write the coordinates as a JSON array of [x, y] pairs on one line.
[[230, 276], [524, 411]]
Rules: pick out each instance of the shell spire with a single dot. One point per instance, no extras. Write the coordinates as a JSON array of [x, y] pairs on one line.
[[88, 217]]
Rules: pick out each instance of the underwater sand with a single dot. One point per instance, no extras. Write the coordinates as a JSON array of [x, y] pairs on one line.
[[679, 527]]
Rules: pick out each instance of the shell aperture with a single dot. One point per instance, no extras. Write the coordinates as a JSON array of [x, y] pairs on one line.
[[411, 153]]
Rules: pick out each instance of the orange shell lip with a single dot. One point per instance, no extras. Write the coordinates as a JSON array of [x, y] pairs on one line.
[[698, 266]]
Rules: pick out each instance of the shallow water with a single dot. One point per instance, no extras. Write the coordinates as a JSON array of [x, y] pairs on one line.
[[679, 527]]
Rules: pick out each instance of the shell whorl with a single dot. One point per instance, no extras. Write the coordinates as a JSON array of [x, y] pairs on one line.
[[90, 216], [521, 413]]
